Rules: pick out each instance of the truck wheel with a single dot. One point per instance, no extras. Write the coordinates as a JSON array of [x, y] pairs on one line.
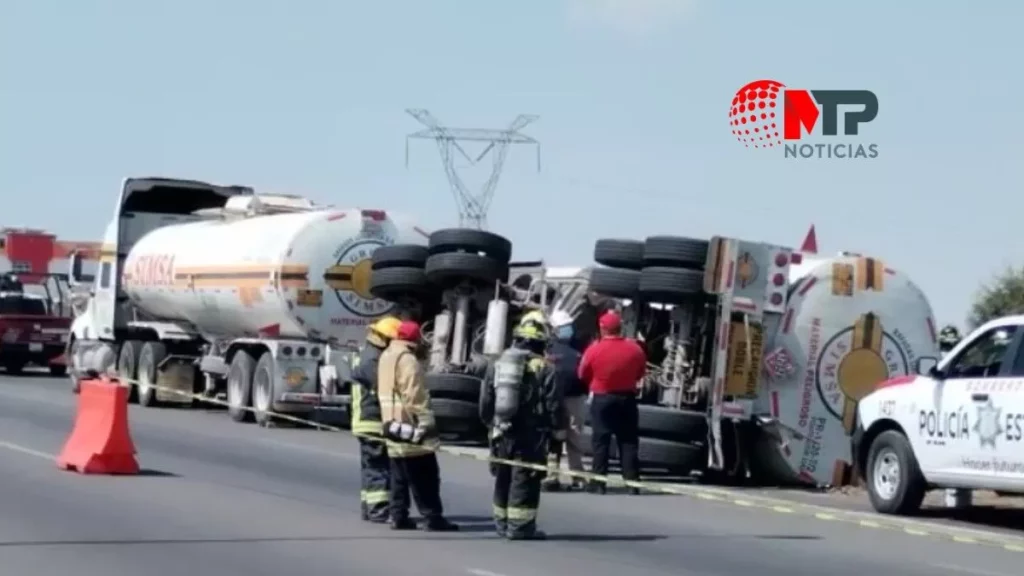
[[675, 252], [72, 358], [670, 285], [127, 367], [469, 240], [152, 354], [263, 389], [14, 368], [393, 284], [625, 254], [456, 418], [455, 267], [454, 386], [615, 283], [672, 456], [672, 424], [239, 386], [400, 256], [895, 482]]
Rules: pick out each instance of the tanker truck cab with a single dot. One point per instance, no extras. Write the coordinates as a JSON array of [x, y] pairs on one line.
[[221, 291], [958, 424]]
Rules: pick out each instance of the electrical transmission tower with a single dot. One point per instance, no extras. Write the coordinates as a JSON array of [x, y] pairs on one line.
[[472, 207]]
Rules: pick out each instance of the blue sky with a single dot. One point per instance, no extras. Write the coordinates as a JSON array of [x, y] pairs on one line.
[[307, 96]]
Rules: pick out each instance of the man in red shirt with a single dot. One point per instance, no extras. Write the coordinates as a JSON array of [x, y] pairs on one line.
[[611, 368]]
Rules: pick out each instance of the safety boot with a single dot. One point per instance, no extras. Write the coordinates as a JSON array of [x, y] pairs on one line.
[[402, 524], [531, 535], [440, 525]]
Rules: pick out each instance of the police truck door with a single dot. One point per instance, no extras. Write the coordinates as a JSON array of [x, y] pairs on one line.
[[967, 418]]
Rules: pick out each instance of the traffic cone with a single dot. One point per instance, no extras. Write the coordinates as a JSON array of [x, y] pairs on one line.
[[100, 442]]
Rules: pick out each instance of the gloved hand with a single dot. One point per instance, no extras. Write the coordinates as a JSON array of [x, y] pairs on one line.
[[561, 435]]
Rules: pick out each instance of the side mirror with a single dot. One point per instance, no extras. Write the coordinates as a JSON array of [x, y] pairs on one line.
[[927, 367], [75, 269]]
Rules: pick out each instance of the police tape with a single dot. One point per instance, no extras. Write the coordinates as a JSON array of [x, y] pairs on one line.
[[705, 493]]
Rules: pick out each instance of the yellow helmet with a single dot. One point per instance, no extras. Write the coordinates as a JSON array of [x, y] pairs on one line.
[[532, 326], [386, 327]]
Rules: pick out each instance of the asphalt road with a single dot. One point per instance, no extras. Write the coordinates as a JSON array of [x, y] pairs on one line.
[[225, 498]]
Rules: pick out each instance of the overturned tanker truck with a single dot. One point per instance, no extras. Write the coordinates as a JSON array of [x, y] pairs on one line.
[[468, 294], [218, 290], [758, 354]]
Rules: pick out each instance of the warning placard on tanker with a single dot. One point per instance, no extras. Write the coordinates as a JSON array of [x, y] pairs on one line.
[[746, 348]]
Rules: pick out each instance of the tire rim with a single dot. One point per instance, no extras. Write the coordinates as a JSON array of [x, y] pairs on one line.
[[886, 475], [261, 392], [74, 371], [144, 381]]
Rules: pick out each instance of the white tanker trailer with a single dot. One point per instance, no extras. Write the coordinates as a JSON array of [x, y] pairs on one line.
[[215, 289]]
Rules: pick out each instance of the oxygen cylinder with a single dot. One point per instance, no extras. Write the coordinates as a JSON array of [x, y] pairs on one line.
[[508, 377], [497, 325]]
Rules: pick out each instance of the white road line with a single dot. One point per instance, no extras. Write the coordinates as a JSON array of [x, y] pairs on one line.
[[308, 449], [26, 450], [965, 570], [479, 572]]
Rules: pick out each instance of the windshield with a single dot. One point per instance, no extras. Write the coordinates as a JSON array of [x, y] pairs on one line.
[[20, 305]]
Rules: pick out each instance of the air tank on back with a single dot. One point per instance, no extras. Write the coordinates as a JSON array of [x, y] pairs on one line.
[[850, 323], [264, 265]]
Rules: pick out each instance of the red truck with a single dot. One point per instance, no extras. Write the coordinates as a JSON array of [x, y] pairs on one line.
[[35, 318]]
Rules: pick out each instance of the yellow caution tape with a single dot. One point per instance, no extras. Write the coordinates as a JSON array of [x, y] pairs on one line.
[[708, 493]]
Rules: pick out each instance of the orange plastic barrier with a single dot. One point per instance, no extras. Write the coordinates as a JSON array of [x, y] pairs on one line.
[[100, 442]]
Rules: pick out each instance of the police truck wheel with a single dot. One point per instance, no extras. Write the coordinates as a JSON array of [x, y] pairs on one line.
[[454, 386], [152, 354], [615, 283], [127, 367], [263, 389], [625, 254], [398, 282], [400, 255], [456, 267], [472, 241], [239, 386], [894, 479], [672, 424], [670, 285], [675, 252]]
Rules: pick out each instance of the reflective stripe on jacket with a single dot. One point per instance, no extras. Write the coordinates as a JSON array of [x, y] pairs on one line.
[[365, 403], [402, 390]]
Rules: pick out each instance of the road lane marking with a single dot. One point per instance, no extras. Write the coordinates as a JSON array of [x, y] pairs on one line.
[[975, 571], [26, 450], [479, 572]]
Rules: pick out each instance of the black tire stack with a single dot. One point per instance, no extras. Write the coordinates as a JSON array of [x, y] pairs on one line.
[[663, 270], [453, 257]]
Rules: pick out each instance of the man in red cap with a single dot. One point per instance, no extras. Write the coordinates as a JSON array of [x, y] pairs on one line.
[[611, 368], [408, 424]]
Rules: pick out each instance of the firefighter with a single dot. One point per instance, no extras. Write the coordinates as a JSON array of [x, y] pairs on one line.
[[519, 402], [409, 427], [366, 423], [573, 393], [949, 337]]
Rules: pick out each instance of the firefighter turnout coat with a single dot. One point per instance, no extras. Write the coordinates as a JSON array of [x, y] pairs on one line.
[[402, 390]]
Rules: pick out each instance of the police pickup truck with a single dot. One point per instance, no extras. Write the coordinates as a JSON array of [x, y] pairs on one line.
[[957, 424]]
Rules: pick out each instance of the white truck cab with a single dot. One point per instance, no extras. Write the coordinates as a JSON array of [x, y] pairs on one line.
[[958, 424]]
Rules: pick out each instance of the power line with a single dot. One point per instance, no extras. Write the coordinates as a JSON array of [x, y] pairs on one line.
[[473, 208]]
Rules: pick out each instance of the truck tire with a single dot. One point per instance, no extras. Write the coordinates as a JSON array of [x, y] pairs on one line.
[[473, 241], [672, 424], [150, 357], [615, 283], [655, 453], [263, 389], [400, 256], [894, 480], [454, 386], [676, 252], [239, 386], [457, 418], [456, 267], [398, 282], [14, 367], [670, 285], [127, 367], [625, 254]]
